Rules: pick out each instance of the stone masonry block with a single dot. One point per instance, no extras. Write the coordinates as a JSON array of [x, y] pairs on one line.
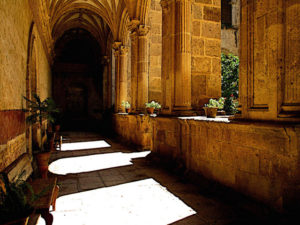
[[211, 30], [196, 28], [217, 2], [198, 47], [204, 1], [201, 64], [197, 11], [156, 29], [247, 159], [212, 14], [213, 48], [216, 65]]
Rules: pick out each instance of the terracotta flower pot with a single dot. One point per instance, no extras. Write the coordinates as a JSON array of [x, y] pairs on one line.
[[43, 163], [150, 110], [128, 110], [210, 112]]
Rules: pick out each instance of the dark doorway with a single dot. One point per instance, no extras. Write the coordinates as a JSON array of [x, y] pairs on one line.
[[77, 80]]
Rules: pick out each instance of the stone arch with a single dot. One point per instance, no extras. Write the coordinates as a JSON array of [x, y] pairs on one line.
[[31, 78]]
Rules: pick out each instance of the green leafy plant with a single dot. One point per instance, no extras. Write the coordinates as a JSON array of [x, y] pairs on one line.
[[213, 103], [40, 110], [126, 104], [230, 75], [16, 200], [153, 104], [230, 106]]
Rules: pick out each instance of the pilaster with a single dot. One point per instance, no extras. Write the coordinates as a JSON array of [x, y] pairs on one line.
[[269, 87], [176, 57], [182, 101], [116, 46], [123, 76], [142, 67], [134, 63]]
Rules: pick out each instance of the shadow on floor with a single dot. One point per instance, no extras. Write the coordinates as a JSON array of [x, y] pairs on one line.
[[211, 203]]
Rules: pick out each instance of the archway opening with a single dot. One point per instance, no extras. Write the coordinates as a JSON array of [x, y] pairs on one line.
[[78, 80]]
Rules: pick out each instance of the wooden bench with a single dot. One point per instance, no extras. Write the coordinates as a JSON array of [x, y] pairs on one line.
[[21, 169]]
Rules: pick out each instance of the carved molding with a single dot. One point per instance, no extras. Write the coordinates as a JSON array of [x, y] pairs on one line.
[[116, 45], [124, 50], [143, 30], [133, 25], [290, 81]]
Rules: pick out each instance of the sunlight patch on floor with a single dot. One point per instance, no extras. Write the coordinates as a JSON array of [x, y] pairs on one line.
[[84, 145], [142, 202], [94, 162]]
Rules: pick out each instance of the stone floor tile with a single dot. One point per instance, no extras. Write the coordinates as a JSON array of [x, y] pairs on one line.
[[87, 183], [66, 189]]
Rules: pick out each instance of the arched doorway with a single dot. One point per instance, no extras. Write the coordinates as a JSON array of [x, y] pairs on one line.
[[78, 79]]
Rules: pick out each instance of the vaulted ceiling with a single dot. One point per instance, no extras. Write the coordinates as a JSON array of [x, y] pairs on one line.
[[104, 19]]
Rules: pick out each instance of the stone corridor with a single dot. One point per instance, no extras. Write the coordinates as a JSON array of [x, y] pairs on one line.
[[103, 182]]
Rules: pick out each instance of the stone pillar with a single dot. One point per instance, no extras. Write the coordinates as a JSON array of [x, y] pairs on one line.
[[270, 60], [123, 76], [182, 100], [142, 66], [116, 46], [176, 57], [134, 65]]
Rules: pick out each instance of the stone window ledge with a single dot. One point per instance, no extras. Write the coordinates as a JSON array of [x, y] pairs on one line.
[[219, 119]]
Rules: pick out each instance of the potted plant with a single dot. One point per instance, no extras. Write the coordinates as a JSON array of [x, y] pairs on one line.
[[40, 110], [151, 106], [127, 106], [16, 202], [213, 106]]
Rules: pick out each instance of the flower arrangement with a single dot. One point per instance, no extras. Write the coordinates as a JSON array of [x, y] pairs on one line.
[[213, 103], [153, 104], [126, 104]]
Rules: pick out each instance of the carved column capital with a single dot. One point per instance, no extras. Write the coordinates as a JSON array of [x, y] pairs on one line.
[[133, 25], [117, 53], [143, 30], [116, 45], [123, 50]]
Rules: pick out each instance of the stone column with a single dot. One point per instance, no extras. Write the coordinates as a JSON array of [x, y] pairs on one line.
[[134, 65], [116, 46], [142, 66], [182, 101], [176, 57], [123, 76]]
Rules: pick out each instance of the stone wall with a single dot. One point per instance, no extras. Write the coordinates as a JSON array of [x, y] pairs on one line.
[[155, 42], [206, 51], [14, 42], [230, 36], [134, 129], [230, 41], [258, 159]]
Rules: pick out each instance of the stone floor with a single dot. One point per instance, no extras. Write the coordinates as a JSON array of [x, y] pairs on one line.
[[104, 182]]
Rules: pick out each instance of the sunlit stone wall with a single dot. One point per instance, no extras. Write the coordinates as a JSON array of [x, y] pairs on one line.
[[257, 159], [14, 42]]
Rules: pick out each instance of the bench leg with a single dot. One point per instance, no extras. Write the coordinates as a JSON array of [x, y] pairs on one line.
[[54, 197], [48, 217]]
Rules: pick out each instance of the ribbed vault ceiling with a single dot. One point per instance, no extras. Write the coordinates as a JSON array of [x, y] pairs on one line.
[[99, 17], [104, 19]]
